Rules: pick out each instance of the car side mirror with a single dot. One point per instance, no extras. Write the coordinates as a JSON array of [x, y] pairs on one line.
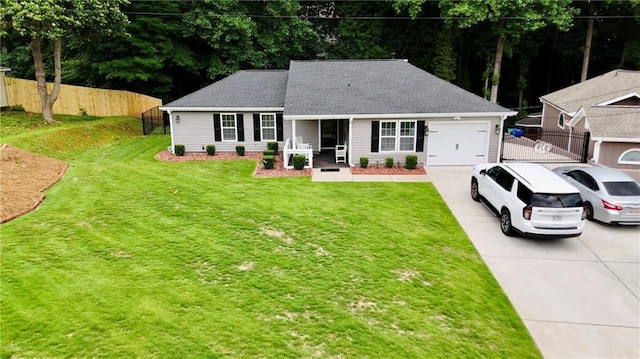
[[483, 172]]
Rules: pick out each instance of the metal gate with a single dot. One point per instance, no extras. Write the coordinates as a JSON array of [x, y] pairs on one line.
[[542, 145], [153, 119]]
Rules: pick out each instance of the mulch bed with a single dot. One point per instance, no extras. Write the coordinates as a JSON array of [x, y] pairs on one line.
[[24, 176], [278, 170]]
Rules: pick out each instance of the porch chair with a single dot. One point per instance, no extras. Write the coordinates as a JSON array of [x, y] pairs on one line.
[[301, 145], [341, 153]]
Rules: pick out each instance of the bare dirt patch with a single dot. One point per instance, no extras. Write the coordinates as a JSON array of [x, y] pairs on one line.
[[24, 176]]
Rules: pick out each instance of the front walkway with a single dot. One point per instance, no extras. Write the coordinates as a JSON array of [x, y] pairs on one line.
[[344, 175]]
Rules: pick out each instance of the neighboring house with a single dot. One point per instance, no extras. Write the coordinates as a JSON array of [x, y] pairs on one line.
[[608, 107], [531, 125], [380, 108], [3, 90]]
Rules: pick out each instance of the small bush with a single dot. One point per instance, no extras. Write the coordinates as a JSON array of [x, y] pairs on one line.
[[240, 150], [411, 162], [17, 108], [299, 161], [211, 150], [388, 162], [268, 161], [179, 149], [84, 112], [268, 153], [273, 146], [364, 162]]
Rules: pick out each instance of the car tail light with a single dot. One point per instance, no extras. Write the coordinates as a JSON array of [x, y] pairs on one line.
[[526, 212], [608, 205], [584, 212]]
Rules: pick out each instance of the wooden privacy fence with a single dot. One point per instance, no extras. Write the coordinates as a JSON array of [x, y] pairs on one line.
[[78, 100]]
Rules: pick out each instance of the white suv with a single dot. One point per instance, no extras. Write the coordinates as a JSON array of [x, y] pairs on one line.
[[529, 199]]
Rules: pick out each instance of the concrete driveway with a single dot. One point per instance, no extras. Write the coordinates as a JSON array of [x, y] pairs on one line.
[[579, 297]]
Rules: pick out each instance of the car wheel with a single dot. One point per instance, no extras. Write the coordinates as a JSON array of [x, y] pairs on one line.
[[505, 223], [589, 209], [475, 194]]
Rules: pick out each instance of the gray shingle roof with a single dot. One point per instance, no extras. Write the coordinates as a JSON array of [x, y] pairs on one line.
[[614, 122], [596, 90], [374, 87], [245, 88]]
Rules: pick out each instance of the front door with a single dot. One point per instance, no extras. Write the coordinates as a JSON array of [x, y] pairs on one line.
[[332, 133]]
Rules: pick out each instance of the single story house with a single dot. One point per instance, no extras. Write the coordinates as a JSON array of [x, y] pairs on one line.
[[3, 90], [608, 107], [379, 108]]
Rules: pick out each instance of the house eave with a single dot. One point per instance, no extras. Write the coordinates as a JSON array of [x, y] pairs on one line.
[[221, 109], [454, 116], [616, 139]]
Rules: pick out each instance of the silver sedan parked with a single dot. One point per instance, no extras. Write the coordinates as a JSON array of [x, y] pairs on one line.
[[609, 195]]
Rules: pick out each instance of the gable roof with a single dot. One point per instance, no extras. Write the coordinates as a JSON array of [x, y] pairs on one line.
[[618, 122], [243, 89], [356, 87], [600, 89]]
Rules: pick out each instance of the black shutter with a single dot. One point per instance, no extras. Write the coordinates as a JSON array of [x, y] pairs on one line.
[[279, 127], [375, 135], [256, 127], [240, 126], [217, 131], [420, 137]]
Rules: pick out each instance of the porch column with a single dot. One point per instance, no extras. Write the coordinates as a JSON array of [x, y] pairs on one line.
[[293, 133], [350, 144]]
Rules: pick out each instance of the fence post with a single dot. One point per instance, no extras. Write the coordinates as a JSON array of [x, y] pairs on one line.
[[585, 146], [144, 131]]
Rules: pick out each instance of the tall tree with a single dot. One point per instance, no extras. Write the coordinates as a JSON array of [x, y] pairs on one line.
[[52, 21]]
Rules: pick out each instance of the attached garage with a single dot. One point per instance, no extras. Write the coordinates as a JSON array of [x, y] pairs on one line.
[[458, 143]]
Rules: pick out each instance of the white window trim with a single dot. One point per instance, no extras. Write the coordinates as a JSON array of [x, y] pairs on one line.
[[622, 162], [235, 127], [561, 116], [397, 136], [275, 130]]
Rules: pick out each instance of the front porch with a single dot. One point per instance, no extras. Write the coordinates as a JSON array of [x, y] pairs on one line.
[[323, 159]]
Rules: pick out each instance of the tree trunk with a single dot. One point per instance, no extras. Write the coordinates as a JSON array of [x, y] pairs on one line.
[[47, 100], [587, 51], [496, 69]]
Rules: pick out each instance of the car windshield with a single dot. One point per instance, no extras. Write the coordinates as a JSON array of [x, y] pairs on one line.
[[628, 188], [555, 200]]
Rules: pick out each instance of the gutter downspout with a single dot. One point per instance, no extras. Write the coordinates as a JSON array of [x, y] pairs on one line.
[[500, 137], [173, 144]]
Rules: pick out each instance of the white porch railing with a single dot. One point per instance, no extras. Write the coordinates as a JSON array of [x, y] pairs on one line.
[[292, 148]]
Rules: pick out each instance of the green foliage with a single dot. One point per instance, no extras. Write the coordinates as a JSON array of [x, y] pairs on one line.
[[273, 146], [268, 153], [411, 162], [268, 161], [388, 162], [364, 162], [179, 150], [211, 150], [240, 150], [299, 161]]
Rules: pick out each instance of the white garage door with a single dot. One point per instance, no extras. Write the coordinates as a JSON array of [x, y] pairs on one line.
[[457, 143]]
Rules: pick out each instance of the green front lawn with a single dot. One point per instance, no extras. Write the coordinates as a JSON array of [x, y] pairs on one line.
[[131, 257]]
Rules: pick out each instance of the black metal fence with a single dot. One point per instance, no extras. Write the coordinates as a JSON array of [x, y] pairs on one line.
[[542, 145], [155, 121]]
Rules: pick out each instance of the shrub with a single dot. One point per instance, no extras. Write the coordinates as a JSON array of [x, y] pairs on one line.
[[211, 150], [299, 161], [388, 162], [273, 146], [364, 162], [268, 153], [179, 149], [17, 108], [240, 150], [411, 162], [268, 161]]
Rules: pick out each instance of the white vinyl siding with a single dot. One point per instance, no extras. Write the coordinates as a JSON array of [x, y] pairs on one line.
[[268, 126], [397, 136], [229, 130]]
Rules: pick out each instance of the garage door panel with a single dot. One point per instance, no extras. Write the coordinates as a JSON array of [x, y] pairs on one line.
[[457, 143]]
